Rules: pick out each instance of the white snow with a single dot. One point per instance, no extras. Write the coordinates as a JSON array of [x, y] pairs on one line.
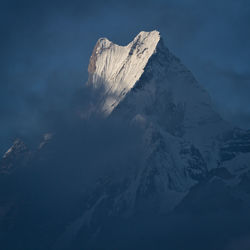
[[117, 68], [176, 116], [172, 109]]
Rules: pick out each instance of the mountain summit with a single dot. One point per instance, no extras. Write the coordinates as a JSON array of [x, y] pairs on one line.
[[148, 84], [117, 68], [185, 139], [191, 155]]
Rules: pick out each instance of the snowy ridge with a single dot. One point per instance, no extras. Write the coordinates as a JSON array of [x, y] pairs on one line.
[[116, 68], [145, 84], [185, 140]]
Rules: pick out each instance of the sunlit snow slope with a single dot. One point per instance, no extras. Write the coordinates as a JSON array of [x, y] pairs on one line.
[[117, 68]]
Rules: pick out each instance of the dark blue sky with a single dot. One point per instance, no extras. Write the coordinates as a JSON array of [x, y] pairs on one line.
[[45, 48]]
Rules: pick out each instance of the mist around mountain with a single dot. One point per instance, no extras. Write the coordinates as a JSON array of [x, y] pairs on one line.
[[139, 159]]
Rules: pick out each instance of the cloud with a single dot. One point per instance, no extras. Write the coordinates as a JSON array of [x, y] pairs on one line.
[[46, 45], [242, 243]]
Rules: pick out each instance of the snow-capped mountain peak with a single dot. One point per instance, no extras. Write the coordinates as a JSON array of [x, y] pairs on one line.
[[116, 68], [145, 84], [186, 155]]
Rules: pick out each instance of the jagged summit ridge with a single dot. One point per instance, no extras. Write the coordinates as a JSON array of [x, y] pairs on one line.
[[116, 68], [145, 84], [169, 98]]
